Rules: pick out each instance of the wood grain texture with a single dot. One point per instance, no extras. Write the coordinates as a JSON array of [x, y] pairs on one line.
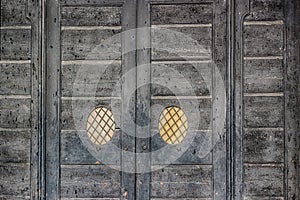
[[13, 13], [15, 44], [263, 40], [266, 10], [264, 181], [89, 181], [91, 16], [195, 43], [264, 112], [79, 44], [14, 180], [181, 14], [190, 181], [97, 79], [194, 79], [15, 113], [15, 79], [263, 76], [78, 110], [14, 146], [263, 146]]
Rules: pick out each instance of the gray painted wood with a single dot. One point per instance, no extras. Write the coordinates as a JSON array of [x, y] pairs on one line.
[[15, 180], [128, 105], [79, 44], [264, 181], [91, 16], [190, 75], [263, 40], [182, 14], [143, 99], [15, 79], [73, 152], [264, 76], [262, 10], [52, 100], [264, 112], [105, 82], [263, 146], [15, 113], [182, 181], [15, 44], [85, 107], [162, 40], [91, 181], [292, 100], [91, 2], [15, 146], [13, 13]]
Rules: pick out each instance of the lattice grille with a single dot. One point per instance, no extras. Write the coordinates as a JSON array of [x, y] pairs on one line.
[[100, 125], [173, 125]]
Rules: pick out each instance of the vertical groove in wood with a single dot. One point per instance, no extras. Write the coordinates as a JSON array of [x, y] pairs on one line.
[[128, 117], [143, 101], [291, 100], [242, 8], [52, 100]]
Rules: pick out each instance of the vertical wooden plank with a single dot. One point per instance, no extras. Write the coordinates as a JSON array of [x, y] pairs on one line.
[[143, 163], [219, 107], [128, 98], [52, 100], [291, 98], [34, 13], [240, 10]]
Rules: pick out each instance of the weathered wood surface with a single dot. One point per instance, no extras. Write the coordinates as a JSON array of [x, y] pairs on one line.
[[73, 150], [182, 14], [84, 107], [203, 105], [181, 43], [199, 151], [15, 44], [91, 16], [266, 10], [263, 76], [263, 146], [263, 111], [79, 44], [15, 113], [14, 180], [14, 146], [13, 13], [263, 40], [98, 79], [194, 79], [15, 79], [264, 181], [89, 181], [182, 181]]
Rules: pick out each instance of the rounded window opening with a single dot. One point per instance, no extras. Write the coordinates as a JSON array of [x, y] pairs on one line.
[[100, 126], [173, 125]]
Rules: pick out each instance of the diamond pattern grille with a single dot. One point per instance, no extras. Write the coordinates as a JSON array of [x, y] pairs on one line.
[[173, 125], [100, 126]]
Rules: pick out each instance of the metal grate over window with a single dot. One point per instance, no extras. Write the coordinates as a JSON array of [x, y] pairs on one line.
[[173, 125], [100, 126]]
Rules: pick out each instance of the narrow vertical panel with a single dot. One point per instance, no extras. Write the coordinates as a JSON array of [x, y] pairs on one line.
[[128, 98], [143, 101], [52, 100], [240, 9], [219, 107], [291, 97]]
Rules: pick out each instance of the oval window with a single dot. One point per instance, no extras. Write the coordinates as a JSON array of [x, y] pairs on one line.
[[173, 125], [100, 126]]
